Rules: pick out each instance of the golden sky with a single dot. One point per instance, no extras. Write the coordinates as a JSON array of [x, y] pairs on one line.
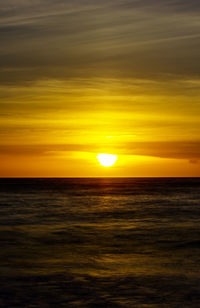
[[83, 77]]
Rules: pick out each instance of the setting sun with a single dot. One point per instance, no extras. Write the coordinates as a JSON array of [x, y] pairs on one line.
[[107, 160]]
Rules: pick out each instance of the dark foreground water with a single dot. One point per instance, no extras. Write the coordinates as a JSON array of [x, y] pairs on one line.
[[99, 243]]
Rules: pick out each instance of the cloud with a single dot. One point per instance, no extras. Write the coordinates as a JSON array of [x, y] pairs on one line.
[[187, 150], [65, 39], [42, 150], [194, 161], [177, 6], [88, 67]]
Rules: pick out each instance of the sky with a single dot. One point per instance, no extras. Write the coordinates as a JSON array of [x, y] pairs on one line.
[[83, 77]]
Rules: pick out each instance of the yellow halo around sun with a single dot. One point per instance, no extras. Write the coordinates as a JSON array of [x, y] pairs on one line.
[[107, 160]]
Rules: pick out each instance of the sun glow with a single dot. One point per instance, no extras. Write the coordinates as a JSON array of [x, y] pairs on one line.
[[107, 160]]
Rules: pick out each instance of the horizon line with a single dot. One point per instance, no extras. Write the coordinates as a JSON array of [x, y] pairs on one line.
[[95, 177]]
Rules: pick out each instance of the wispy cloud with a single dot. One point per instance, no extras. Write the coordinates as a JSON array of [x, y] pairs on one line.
[[187, 150], [59, 39]]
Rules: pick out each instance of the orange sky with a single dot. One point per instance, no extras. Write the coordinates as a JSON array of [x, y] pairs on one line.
[[86, 77]]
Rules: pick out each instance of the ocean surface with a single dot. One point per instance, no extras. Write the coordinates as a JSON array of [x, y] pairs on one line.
[[100, 242]]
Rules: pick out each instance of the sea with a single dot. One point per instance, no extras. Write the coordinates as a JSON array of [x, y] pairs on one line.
[[99, 242]]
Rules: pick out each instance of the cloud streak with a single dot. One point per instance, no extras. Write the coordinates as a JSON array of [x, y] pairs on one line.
[[64, 40], [187, 150]]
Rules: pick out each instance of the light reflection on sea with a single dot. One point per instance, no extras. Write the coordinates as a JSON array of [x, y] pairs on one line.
[[100, 242]]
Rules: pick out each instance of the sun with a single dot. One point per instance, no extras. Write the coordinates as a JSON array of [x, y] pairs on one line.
[[107, 160]]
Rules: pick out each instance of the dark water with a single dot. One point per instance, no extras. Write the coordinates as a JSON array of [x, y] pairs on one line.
[[100, 243]]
